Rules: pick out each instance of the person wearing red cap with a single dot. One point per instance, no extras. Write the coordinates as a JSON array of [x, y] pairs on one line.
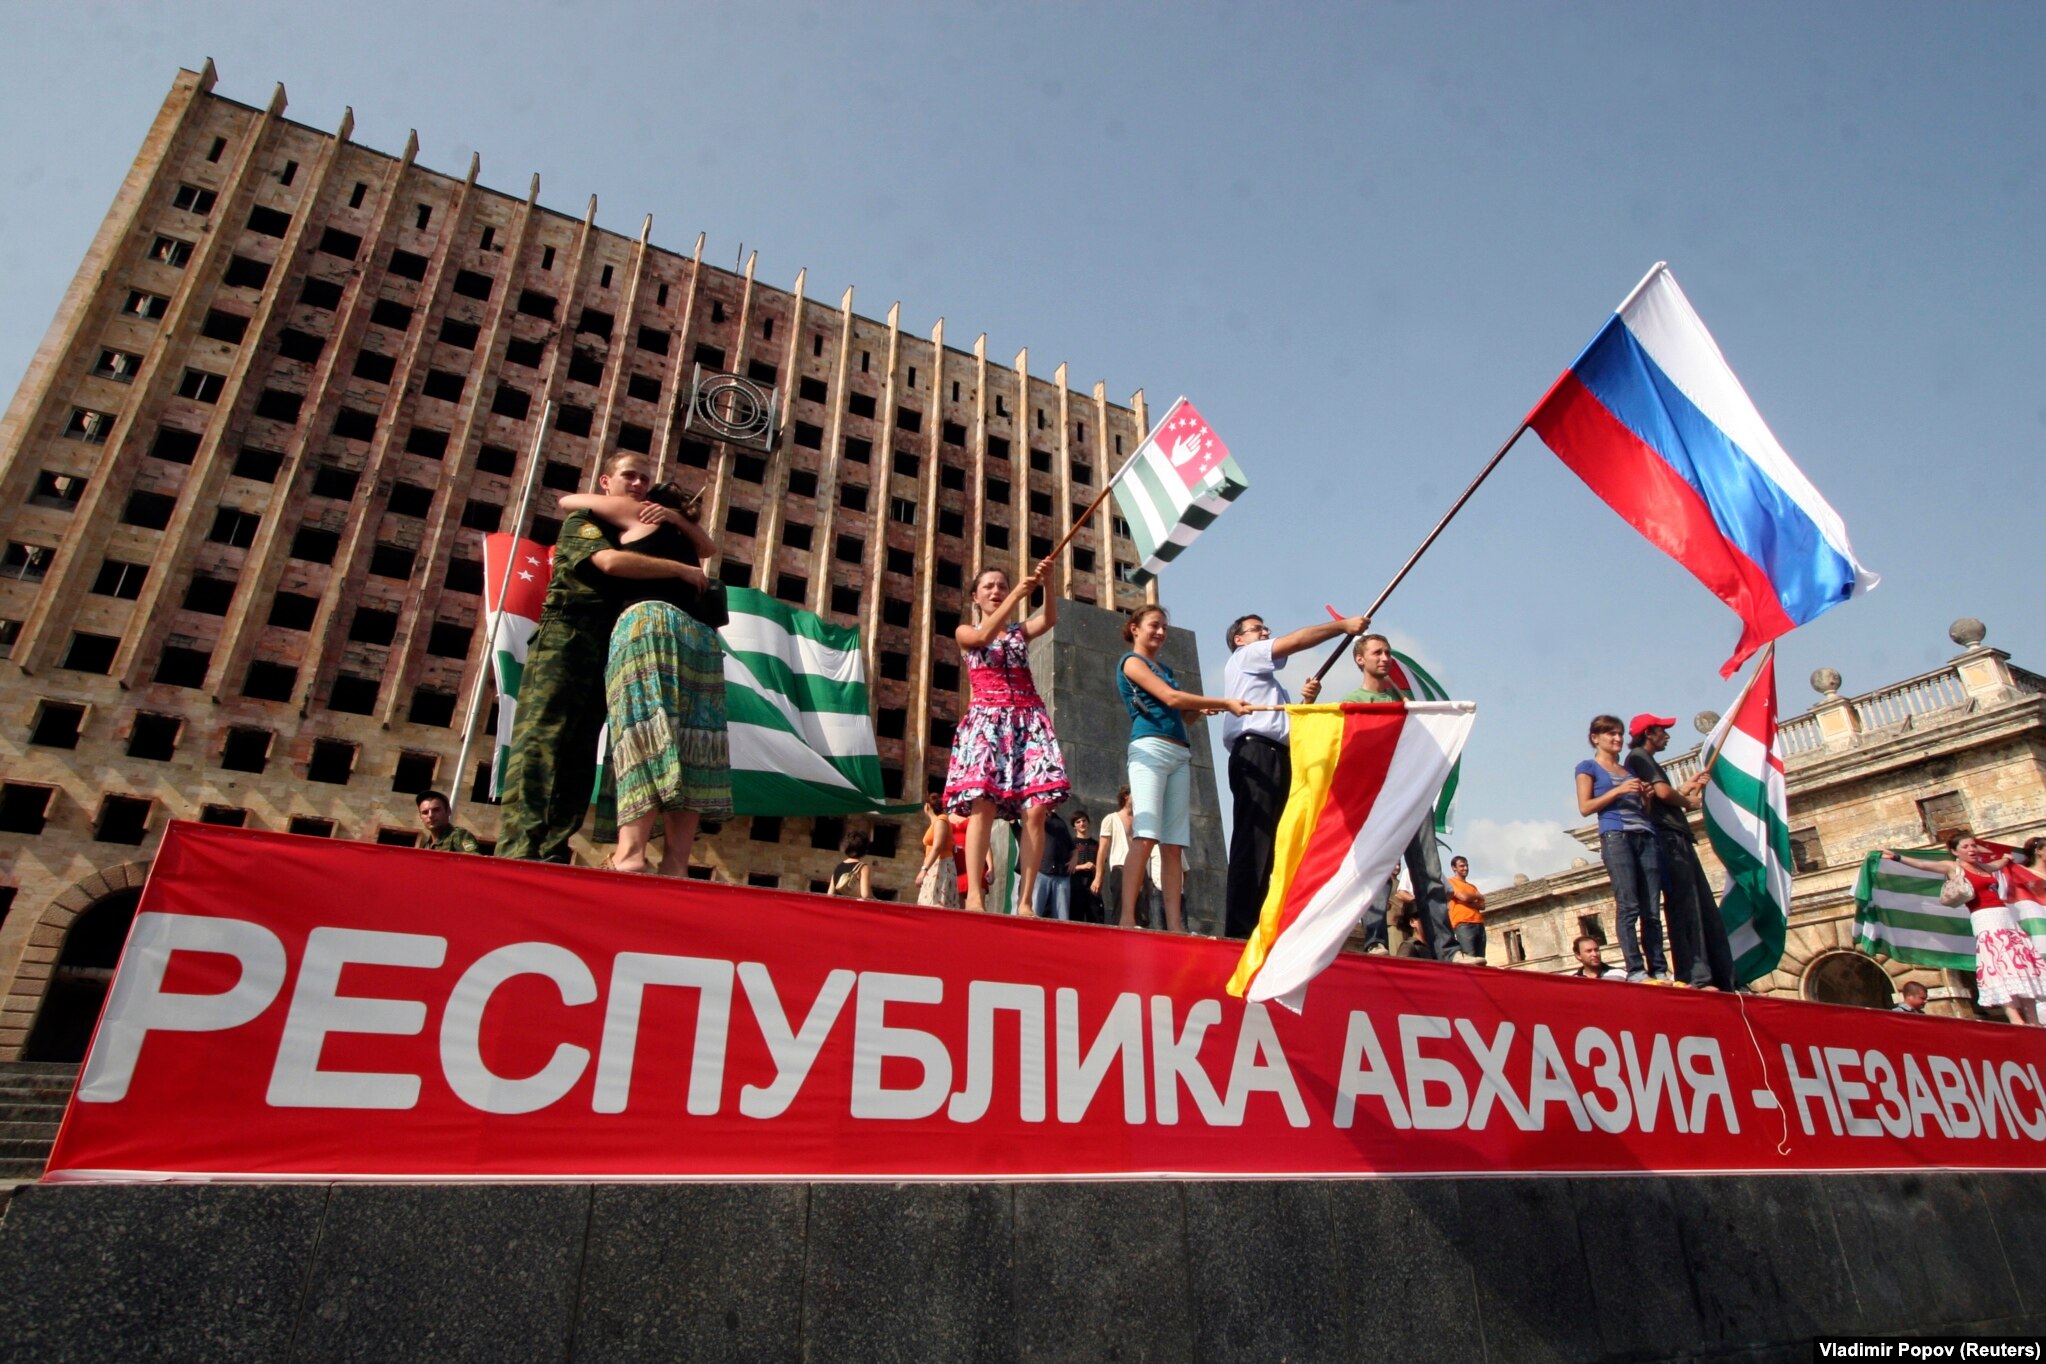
[[1697, 936]]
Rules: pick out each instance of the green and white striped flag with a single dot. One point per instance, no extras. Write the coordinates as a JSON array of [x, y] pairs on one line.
[[524, 587], [802, 737], [1897, 913], [1179, 480], [1747, 816], [1415, 683]]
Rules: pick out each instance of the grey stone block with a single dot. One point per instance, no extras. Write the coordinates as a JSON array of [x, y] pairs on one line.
[[909, 1272], [1635, 1257], [1764, 1260], [2017, 1207], [1266, 1281], [1409, 1288], [1534, 1291], [1101, 1272], [1922, 1251], [482, 1272], [693, 1271], [130, 1272]]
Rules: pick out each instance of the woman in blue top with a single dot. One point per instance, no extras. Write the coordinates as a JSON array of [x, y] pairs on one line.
[[1627, 845], [1161, 763]]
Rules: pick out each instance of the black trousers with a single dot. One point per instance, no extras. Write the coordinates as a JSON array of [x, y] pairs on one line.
[[1697, 935], [1260, 774]]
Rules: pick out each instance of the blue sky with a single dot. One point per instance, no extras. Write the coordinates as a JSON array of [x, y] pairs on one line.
[[1363, 238]]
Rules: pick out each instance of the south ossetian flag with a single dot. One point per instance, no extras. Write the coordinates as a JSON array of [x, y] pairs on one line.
[[1653, 420], [1365, 776], [1175, 485]]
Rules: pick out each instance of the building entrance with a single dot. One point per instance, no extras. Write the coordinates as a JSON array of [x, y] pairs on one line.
[[78, 985]]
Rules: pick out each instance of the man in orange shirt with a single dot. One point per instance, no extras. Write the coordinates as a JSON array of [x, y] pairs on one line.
[[1466, 912]]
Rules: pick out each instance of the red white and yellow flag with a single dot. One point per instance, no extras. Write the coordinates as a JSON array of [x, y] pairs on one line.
[[1365, 777]]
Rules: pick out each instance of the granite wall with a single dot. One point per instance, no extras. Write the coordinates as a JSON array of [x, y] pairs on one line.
[[1745, 1268], [1075, 670]]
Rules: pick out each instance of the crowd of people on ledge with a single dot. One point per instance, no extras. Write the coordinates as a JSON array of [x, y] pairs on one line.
[[627, 635]]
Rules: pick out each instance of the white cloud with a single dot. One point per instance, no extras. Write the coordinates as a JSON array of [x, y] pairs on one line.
[[1498, 850]]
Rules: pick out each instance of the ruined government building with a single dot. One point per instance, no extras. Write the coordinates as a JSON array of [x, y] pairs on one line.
[[244, 483]]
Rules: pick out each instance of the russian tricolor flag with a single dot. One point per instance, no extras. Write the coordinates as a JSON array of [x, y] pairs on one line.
[[1654, 421]]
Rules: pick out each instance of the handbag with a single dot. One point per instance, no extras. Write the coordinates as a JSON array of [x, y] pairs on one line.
[[709, 606], [1958, 890]]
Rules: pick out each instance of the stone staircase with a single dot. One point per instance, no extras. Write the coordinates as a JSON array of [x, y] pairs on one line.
[[32, 1099]]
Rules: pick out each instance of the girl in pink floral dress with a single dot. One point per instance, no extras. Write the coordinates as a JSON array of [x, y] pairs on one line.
[[1005, 759], [2008, 969]]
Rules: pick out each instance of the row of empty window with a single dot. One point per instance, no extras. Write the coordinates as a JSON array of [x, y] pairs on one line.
[[124, 819]]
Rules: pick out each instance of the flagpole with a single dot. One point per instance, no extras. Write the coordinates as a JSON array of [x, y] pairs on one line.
[[1767, 654], [511, 558], [1081, 520], [1447, 516]]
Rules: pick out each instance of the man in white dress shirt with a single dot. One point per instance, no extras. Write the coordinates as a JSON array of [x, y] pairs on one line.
[[1260, 761]]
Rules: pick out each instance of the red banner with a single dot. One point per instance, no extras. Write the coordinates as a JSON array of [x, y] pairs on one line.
[[295, 1008]]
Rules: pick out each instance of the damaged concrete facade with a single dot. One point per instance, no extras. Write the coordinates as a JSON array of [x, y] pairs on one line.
[[244, 482]]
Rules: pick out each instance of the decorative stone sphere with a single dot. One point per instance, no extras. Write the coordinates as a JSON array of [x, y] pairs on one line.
[[1520, 878], [1579, 862], [1826, 682], [1704, 720], [1967, 632]]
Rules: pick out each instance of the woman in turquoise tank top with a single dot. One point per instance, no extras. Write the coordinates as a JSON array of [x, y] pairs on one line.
[[1161, 762]]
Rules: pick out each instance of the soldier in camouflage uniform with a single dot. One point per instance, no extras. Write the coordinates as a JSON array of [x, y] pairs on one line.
[[442, 833], [553, 764]]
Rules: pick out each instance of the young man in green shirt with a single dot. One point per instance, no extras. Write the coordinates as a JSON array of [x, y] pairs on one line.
[[442, 833], [1424, 862]]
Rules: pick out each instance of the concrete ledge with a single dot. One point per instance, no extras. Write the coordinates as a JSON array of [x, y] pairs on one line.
[[1643, 1268]]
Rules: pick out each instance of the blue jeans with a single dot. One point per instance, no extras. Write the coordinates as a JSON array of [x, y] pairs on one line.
[[1634, 865], [1053, 897]]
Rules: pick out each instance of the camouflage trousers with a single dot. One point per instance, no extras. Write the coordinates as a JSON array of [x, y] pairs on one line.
[[553, 762]]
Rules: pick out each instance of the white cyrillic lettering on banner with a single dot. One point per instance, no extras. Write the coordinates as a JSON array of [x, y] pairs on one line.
[[983, 997], [297, 1080], [1260, 1064], [1989, 1098], [1840, 1062], [1548, 1081], [138, 1005], [1178, 1060], [1492, 1081], [1699, 1059], [2013, 1076], [1365, 1072], [1953, 1096], [1657, 1083], [1423, 1071], [1807, 1087], [793, 1051], [461, 1029], [631, 973], [1890, 1110], [874, 1041], [1617, 1115], [1121, 1035], [1923, 1104]]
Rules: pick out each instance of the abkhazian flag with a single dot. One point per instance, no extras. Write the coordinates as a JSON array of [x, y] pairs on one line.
[[1179, 480], [802, 738], [1364, 778], [531, 564], [1413, 681], [1897, 913], [1747, 818]]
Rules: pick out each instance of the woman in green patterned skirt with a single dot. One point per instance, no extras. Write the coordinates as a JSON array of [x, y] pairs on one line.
[[664, 687]]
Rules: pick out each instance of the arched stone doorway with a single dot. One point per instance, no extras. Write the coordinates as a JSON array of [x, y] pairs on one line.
[[77, 988], [1847, 978]]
